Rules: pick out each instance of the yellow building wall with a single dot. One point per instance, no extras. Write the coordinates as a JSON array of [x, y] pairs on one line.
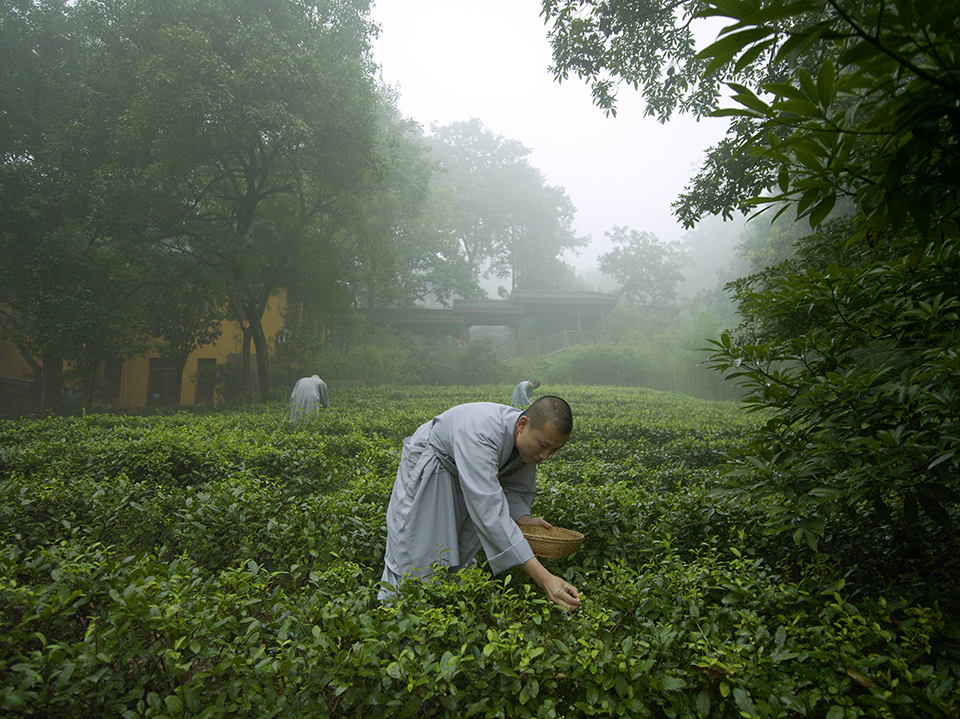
[[135, 373]]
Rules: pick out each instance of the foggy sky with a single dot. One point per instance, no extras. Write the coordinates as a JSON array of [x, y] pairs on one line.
[[452, 60]]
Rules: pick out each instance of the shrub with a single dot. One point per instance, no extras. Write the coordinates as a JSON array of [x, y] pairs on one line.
[[220, 564], [480, 363], [597, 365]]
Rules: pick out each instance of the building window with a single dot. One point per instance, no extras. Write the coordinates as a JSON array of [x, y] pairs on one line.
[[112, 376], [206, 380], [163, 387]]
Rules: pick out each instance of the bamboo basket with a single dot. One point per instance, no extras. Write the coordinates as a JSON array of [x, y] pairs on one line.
[[552, 543]]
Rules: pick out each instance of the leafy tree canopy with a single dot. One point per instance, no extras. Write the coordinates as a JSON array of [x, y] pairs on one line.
[[856, 356], [508, 218], [250, 124], [851, 344], [648, 270], [67, 289], [648, 45], [836, 99]]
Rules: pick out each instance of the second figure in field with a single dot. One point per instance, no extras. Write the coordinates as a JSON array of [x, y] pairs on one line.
[[522, 394]]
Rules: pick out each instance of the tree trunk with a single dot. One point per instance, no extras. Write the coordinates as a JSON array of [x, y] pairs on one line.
[[181, 365], [88, 385], [52, 383], [263, 356], [253, 330], [36, 386], [247, 370]]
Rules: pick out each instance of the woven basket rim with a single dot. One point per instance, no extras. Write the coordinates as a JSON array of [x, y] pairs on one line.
[[555, 534], [553, 543]]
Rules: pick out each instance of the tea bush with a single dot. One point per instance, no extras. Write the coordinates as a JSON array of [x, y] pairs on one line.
[[719, 635], [222, 565]]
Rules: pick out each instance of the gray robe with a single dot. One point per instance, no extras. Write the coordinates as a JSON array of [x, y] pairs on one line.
[[451, 496], [521, 395], [307, 394]]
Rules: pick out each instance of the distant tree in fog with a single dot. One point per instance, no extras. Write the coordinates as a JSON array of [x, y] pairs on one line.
[[507, 217], [409, 226], [648, 270], [712, 245]]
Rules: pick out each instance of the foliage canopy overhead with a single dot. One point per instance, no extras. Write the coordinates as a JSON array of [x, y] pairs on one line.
[[835, 99], [837, 107]]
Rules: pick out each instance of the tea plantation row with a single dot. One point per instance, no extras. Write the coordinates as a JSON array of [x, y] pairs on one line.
[[221, 564]]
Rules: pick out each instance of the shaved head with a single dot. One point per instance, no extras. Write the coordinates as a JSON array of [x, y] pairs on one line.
[[550, 411]]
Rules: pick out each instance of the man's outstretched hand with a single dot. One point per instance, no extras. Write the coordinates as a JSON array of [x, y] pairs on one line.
[[559, 591], [562, 593]]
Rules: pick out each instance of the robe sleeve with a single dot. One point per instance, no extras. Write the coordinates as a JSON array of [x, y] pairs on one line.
[[476, 453], [520, 489]]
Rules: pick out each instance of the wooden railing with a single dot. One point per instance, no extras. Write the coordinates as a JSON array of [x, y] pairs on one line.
[[542, 347]]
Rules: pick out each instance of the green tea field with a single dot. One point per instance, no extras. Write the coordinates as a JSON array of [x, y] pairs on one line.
[[221, 564]]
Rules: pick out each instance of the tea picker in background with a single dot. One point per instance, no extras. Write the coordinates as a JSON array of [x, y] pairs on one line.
[[309, 394], [466, 481], [521, 395]]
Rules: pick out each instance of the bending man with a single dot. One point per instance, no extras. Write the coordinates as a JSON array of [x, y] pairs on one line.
[[466, 479], [309, 394], [522, 393]]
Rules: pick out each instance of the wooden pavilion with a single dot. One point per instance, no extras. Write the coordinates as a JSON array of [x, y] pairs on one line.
[[575, 318]]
